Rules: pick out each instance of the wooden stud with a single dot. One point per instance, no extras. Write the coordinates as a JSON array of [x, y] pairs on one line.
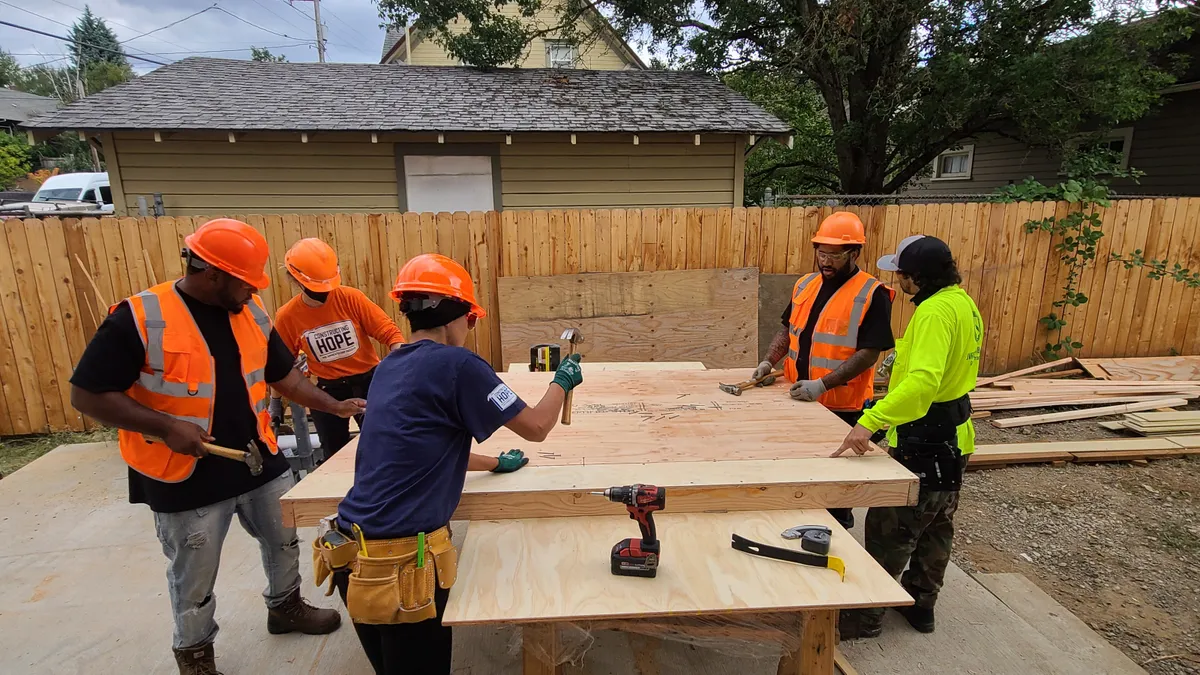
[[157, 137], [374, 138], [635, 139], [441, 138], [304, 137], [540, 649], [815, 656], [572, 139], [1085, 414], [232, 137]]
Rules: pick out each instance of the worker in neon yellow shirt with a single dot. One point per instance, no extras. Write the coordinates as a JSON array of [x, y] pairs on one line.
[[928, 412]]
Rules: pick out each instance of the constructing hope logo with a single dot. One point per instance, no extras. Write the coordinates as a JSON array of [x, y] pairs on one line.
[[332, 341]]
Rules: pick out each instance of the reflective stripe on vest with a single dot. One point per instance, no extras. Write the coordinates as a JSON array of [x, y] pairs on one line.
[[850, 339], [793, 329]]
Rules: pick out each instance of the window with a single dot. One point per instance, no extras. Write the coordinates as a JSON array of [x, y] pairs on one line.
[[561, 54], [954, 164], [106, 194], [1119, 142], [89, 196], [450, 183]]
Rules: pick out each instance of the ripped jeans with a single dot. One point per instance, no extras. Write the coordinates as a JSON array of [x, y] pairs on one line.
[[192, 542]]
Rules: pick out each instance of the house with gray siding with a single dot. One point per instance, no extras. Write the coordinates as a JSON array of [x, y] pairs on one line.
[[1165, 144]]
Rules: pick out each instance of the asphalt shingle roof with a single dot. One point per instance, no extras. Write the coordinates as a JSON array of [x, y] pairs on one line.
[[222, 94], [19, 106]]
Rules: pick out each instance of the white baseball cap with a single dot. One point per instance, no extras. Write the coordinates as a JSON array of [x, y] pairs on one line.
[[891, 263]]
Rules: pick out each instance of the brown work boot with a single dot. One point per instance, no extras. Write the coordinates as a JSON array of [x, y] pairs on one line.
[[297, 615], [198, 660]]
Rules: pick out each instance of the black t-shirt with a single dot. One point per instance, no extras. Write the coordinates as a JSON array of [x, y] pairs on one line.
[[875, 332], [112, 362]]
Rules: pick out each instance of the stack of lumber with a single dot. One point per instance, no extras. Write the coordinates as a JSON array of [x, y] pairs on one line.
[[1039, 393], [1158, 423], [1108, 450]]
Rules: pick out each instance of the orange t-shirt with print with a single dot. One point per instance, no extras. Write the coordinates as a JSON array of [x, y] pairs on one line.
[[337, 335]]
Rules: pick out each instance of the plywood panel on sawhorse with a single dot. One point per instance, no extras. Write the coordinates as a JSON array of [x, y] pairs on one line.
[[542, 572], [597, 366]]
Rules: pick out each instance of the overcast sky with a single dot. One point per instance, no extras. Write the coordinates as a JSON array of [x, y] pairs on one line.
[[352, 29]]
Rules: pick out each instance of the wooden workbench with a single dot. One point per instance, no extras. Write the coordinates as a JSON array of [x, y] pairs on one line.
[[536, 551]]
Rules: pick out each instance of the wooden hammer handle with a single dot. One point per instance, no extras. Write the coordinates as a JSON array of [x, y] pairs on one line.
[[566, 413], [227, 453]]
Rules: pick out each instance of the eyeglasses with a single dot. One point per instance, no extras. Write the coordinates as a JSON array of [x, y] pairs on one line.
[[833, 257], [471, 319]]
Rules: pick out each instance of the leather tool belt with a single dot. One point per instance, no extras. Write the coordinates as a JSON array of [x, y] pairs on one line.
[[929, 448], [391, 580]]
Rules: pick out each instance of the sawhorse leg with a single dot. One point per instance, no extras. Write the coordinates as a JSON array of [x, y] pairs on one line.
[[816, 652], [540, 649]]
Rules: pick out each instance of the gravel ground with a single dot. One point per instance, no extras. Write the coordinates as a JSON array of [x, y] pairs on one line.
[[1117, 544]]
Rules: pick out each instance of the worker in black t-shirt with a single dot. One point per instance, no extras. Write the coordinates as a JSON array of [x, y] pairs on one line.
[[834, 327], [184, 363]]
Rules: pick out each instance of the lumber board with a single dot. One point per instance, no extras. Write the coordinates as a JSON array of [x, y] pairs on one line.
[[1173, 416], [594, 366], [1086, 413], [1025, 371], [1046, 402], [708, 315], [1102, 450], [560, 491], [1175, 368], [556, 569], [1054, 375]]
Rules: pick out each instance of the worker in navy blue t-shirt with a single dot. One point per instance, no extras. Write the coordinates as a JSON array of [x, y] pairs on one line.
[[428, 400]]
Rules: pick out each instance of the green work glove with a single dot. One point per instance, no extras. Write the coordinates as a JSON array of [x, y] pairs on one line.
[[510, 461], [569, 375]]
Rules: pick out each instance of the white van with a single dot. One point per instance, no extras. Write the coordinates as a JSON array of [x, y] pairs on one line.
[[69, 192]]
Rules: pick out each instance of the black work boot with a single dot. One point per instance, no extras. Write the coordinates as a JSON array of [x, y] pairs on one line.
[[297, 615], [855, 623], [198, 660], [920, 618]]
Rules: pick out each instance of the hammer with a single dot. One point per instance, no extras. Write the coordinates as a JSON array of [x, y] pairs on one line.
[[573, 337], [737, 389], [251, 455]]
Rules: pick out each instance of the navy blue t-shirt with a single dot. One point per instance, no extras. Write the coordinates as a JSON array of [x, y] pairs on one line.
[[426, 402]]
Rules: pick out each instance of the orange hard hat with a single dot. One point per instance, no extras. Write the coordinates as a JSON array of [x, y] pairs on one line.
[[314, 264], [841, 229], [234, 247], [434, 274]]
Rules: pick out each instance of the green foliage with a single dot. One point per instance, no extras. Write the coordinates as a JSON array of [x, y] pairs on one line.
[[1079, 232], [9, 68], [265, 55], [898, 81], [14, 160], [94, 42]]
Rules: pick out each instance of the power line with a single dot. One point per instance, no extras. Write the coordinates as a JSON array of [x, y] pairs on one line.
[[352, 28], [278, 16], [67, 25], [173, 23], [122, 25], [85, 44], [251, 23]]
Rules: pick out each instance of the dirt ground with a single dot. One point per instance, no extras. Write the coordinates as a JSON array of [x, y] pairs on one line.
[[1117, 544]]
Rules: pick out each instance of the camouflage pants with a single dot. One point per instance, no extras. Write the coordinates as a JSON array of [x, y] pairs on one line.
[[920, 537]]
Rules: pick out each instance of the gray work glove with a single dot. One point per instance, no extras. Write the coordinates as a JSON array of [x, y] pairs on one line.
[[807, 390], [763, 369], [885, 368]]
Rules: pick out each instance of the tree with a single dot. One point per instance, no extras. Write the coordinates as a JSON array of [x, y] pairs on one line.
[[9, 69], [94, 42], [900, 81], [265, 55], [14, 160]]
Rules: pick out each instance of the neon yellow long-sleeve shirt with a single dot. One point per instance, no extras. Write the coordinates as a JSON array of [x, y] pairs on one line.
[[937, 360]]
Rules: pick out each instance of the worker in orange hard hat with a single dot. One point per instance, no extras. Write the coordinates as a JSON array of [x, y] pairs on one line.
[[837, 322], [332, 325], [187, 363], [431, 399]]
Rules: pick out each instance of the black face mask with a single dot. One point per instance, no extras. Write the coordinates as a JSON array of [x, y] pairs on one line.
[[319, 297]]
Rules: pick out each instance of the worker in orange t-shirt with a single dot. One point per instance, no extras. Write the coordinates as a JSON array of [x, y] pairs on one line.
[[331, 324]]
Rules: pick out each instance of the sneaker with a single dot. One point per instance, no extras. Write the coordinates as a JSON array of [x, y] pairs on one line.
[[920, 618], [296, 615], [198, 660]]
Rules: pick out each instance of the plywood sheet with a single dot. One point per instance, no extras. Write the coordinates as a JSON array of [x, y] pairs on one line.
[[552, 569], [708, 315], [558, 491], [596, 366], [1177, 368]]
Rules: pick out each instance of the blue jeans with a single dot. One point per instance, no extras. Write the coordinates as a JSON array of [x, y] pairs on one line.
[[192, 542]]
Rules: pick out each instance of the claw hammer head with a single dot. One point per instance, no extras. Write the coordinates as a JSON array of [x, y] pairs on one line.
[[573, 337], [254, 458], [731, 389]]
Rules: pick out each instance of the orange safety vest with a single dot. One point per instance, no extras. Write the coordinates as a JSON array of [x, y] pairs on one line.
[[179, 375], [835, 336]]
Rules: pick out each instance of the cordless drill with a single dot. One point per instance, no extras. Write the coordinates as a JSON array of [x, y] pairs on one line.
[[638, 557]]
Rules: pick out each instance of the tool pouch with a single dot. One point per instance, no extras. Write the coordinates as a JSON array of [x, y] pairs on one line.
[[929, 446], [326, 560], [386, 586]]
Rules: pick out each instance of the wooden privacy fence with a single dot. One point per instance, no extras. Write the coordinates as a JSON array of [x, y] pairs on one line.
[[57, 276]]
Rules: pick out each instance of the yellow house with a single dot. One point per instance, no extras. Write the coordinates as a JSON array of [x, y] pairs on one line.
[[603, 49], [213, 136]]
